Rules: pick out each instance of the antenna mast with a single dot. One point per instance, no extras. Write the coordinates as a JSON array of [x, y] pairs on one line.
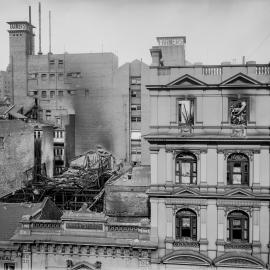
[[50, 33], [39, 33]]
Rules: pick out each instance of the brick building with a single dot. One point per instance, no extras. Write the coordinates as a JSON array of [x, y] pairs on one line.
[[87, 94]]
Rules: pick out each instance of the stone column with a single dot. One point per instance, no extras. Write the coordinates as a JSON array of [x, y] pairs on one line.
[[203, 229], [221, 229], [256, 230], [154, 166], [203, 170], [169, 164], [256, 169], [169, 226], [154, 219], [221, 164]]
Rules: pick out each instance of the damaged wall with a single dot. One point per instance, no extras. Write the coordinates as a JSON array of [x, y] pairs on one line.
[[16, 154], [126, 196]]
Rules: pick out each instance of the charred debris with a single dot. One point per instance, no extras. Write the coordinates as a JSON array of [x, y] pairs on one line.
[[82, 182]]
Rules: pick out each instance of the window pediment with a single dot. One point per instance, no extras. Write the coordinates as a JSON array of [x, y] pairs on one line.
[[186, 80], [239, 192], [186, 191], [240, 79], [186, 258], [238, 260]]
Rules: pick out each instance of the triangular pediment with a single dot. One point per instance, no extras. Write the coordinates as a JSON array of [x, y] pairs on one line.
[[186, 191], [83, 266], [240, 79], [239, 192], [186, 80], [234, 260], [186, 258]]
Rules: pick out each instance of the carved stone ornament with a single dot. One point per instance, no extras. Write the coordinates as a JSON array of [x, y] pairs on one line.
[[238, 131], [195, 208], [248, 210], [196, 152], [249, 153], [186, 130]]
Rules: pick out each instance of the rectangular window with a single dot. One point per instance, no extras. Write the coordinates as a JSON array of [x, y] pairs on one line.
[[136, 135], [32, 76], [238, 111], [135, 119], [74, 75], [52, 62], [186, 112], [135, 93], [58, 121], [48, 114], [60, 76], [60, 62], [135, 107], [1, 142], [60, 93], [43, 76], [52, 94], [52, 76], [43, 94], [136, 80]]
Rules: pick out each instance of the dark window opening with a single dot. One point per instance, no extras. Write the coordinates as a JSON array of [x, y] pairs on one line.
[[238, 227], [238, 169], [186, 168], [186, 225]]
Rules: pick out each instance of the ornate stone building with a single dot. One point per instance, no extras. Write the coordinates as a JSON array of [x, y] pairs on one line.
[[207, 192], [209, 142]]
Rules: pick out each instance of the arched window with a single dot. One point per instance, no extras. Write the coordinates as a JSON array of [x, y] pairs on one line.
[[186, 168], [238, 169], [186, 225], [237, 226]]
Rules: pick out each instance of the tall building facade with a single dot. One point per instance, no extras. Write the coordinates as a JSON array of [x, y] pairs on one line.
[[210, 164], [86, 96]]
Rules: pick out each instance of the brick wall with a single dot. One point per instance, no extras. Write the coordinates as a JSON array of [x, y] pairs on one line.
[[16, 155]]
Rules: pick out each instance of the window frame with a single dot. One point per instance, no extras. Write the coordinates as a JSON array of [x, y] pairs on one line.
[[244, 226], [233, 99], [178, 168], [244, 173], [186, 213], [192, 108]]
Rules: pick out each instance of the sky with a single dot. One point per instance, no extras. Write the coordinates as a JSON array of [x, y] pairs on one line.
[[216, 30]]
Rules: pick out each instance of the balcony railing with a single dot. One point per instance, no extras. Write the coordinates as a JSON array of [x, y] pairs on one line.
[[262, 69], [214, 71]]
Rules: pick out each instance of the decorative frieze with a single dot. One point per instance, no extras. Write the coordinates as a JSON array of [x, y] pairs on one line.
[[186, 244], [84, 226], [238, 203], [185, 202], [236, 245], [121, 228]]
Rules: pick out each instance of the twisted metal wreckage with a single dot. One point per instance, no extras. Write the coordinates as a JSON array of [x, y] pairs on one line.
[[83, 181]]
